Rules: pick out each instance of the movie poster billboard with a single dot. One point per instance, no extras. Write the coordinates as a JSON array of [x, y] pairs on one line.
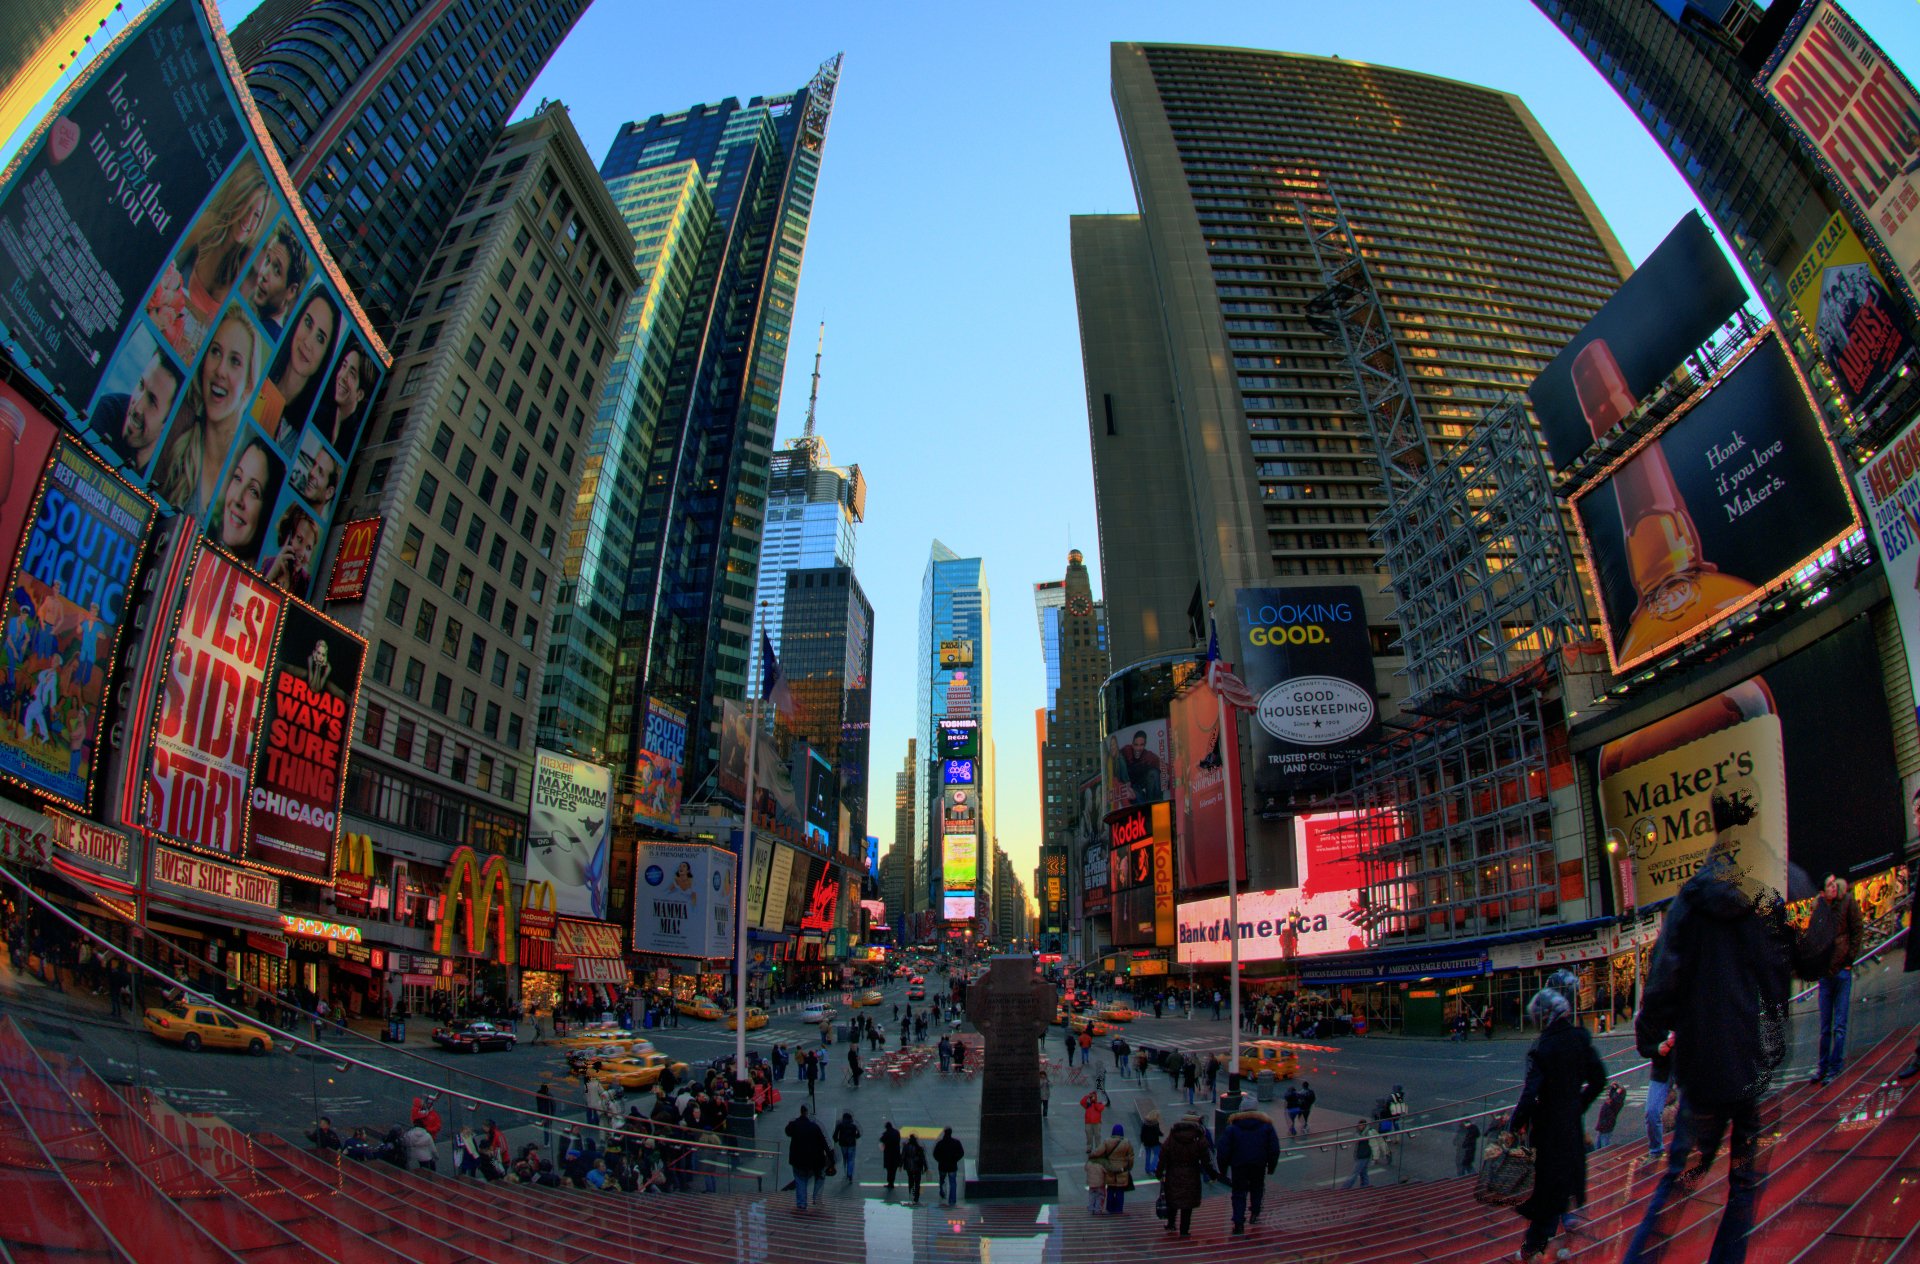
[[159, 277], [657, 764], [683, 900], [773, 913], [1842, 299], [1307, 656], [1889, 489], [1200, 801], [1673, 303], [210, 707], [569, 830], [300, 769], [1856, 113], [1774, 745], [1739, 491], [26, 441], [64, 609], [759, 871], [1138, 756], [773, 789]]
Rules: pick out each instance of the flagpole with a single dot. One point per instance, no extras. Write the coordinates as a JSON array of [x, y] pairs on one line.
[[1229, 761]]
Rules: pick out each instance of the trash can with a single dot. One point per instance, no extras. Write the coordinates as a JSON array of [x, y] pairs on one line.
[[1263, 1086]]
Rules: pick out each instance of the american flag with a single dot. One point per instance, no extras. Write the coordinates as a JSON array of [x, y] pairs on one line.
[[1220, 677], [773, 684]]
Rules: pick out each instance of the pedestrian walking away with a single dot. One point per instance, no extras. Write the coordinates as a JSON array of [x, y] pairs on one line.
[[1609, 1115], [1836, 919], [846, 1135], [890, 1150], [1115, 1154], [1466, 1148], [1362, 1155], [1307, 1098], [913, 1161], [1293, 1110], [1564, 1077], [808, 1155], [1150, 1138], [1249, 1152], [947, 1153], [1186, 1164]]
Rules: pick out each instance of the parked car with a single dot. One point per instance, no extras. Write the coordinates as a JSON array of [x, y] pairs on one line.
[[816, 1013], [194, 1028], [475, 1035]]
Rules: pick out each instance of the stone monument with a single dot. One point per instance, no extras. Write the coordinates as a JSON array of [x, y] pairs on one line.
[[1012, 1008]]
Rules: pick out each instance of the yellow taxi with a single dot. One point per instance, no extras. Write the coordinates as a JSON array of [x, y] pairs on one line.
[[642, 1071], [197, 1027], [1088, 1023], [588, 1034], [584, 1055], [756, 1019], [1269, 1055], [1117, 1013], [869, 997], [701, 1007]]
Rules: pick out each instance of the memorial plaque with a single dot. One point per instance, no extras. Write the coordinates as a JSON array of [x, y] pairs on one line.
[[1012, 1008]]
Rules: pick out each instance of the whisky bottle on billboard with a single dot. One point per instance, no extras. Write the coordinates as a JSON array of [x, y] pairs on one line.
[[1657, 787], [1675, 587]]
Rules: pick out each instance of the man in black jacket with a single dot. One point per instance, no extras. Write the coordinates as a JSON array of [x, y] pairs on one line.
[[1719, 985], [1836, 919], [808, 1155]]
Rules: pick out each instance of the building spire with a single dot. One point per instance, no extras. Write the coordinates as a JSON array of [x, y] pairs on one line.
[[813, 396]]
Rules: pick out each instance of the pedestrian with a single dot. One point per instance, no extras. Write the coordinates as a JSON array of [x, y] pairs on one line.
[[1362, 1154], [1293, 1110], [1564, 1077], [1836, 918], [1086, 1046], [1185, 1165], [544, 1103], [1214, 1063], [1249, 1152], [1067, 1035], [846, 1135], [1307, 1097], [1120, 1051], [596, 1102], [913, 1161], [1486, 1021], [1659, 1077], [1150, 1137], [1217, 1000], [1095, 1170], [1173, 1064], [1093, 1109], [1609, 1115], [1046, 1094], [323, 1136], [1719, 985], [418, 1146], [946, 1055], [808, 1155], [890, 1150], [854, 1068], [1466, 1148], [810, 1072], [1190, 1077], [1115, 1154], [947, 1153]]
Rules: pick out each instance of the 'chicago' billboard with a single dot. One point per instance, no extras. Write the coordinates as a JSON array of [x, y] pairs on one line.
[[1309, 659], [568, 832], [300, 768], [1843, 301], [1670, 305]]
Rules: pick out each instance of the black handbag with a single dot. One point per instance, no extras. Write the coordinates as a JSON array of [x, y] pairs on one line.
[[1506, 1175]]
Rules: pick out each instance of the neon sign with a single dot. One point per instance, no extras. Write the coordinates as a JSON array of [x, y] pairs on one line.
[[314, 928]]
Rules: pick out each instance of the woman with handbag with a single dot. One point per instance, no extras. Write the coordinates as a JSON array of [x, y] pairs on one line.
[[1115, 1154], [1564, 1077]]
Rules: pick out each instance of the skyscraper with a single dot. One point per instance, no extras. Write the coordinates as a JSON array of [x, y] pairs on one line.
[[384, 110], [687, 614], [954, 721], [827, 660], [897, 882], [1236, 462], [814, 509], [1073, 637]]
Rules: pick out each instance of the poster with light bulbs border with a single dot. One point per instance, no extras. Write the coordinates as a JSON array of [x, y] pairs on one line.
[[1889, 489]]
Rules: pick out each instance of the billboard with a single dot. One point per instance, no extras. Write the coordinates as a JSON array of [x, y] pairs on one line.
[[960, 860], [568, 832], [1321, 915], [956, 654], [1807, 745], [806, 871], [300, 767], [159, 277], [683, 900], [1843, 301], [959, 809], [958, 906], [79, 545], [1860, 119], [210, 707], [1053, 889], [1096, 884], [1137, 760], [1200, 797], [823, 798], [773, 914], [773, 790], [759, 870], [353, 560], [1306, 653], [658, 764], [823, 901], [959, 739], [1672, 303], [957, 772], [1736, 493], [1889, 489]]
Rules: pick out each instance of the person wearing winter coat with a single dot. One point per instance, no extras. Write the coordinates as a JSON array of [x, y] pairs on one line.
[[1836, 920], [1093, 1109], [1186, 1164], [1564, 1077], [1609, 1115], [1115, 1154], [846, 1135], [1249, 1152], [426, 1117], [947, 1153], [416, 1143], [808, 1155], [890, 1152], [1362, 1154], [1150, 1138], [1466, 1148], [913, 1162], [1190, 1077]]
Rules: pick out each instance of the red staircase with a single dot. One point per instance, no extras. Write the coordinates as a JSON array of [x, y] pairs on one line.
[[90, 1174]]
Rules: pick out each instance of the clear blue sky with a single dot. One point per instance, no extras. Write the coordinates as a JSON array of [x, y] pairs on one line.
[[963, 138]]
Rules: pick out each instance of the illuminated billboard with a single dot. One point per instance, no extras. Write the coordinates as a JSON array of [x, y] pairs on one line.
[[569, 831], [1322, 915], [959, 906], [960, 859], [959, 739], [1715, 510], [957, 772], [1200, 801], [683, 899], [959, 809], [658, 764], [1842, 299], [299, 774], [1137, 760], [353, 560], [1673, 302], [1305, 651], [956, 654], [162, 281], [1889, 489]]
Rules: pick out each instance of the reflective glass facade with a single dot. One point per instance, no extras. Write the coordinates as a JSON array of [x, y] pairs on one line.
[[827, 658], [954, 606]]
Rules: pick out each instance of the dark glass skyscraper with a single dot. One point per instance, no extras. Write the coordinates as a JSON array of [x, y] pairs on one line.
[[826, 656], [383, 111]]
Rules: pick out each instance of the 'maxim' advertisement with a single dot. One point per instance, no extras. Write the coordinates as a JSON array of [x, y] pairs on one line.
[[1309, 660], [683, 900], [569, 831]]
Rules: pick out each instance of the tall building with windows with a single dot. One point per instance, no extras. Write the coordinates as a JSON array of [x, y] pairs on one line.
[[473, 458], [827, 660], [901, 882], [1224, 452], [954, 686], [384, 110], [687, 614], [814, 509], [1073, 638]]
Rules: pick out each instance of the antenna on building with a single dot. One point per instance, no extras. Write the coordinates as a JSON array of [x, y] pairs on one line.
[[807, 442]]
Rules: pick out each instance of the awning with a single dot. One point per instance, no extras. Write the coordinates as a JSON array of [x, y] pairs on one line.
[[591, 951]]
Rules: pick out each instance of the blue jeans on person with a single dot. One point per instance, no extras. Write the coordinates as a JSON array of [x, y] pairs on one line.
[[1836, 990], [1656, 1107], [1249, 1187], [801, 1180], [950, 1186], [1359, 1176], [1153, 1159], [1743, 1176], [846, 1159]]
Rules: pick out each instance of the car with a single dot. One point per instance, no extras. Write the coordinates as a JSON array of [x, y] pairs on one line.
[[1269, 1055], [1088, 1023], [916, 980], [701, 1007], [605, 1051], [197, 1027], [640, 1071], [1117, 1013], [475, 1035], [869, 997], [917, 992], [588, 1034], [816, 1013], [756, 1019]]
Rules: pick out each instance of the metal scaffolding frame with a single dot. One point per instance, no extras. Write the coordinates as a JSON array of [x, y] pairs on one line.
[[1451, 820]]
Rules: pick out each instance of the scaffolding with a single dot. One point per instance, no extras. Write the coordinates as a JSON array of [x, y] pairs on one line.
[[1449, 811]]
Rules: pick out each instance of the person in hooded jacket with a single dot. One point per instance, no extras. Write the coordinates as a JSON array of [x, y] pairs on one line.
[[808, 1155], [1564, 1077], [1249, 1151], [1718, 991], [947, 1153], [890, 1152], [1186, 1164], [416, 1143], [913, 1161], [426, 1117], [846, 1135]]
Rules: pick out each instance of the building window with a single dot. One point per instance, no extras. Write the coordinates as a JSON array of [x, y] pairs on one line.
[[383, 664], [450, 515], [374, 728], [415, 674], [477, 653], [492, 723], [410, 385], [424, 620], [410, 546], [397, 598], [403, 741], [442, 692], [450, 639], [500, 667], [468, 700], [462, 585], [521, 678], [437, 565], [428, 491]]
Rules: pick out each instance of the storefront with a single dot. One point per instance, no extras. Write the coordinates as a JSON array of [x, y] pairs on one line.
[[590, 956]]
